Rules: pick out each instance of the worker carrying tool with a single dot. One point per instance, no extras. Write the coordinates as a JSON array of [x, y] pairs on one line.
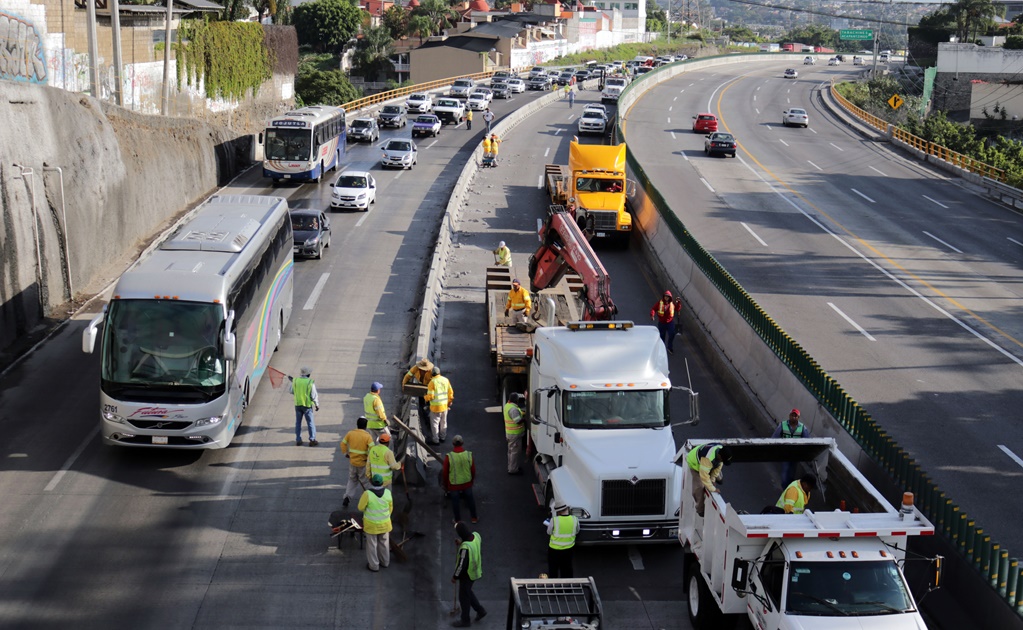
[[502, 255], [518, 304], [420, 374]]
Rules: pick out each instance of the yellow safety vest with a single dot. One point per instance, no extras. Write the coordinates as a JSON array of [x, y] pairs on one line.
[[378, 463], [303, 387], [799, 504], [377, 419], [459, 468], [438, 390], [518, 300], [563, 532], [475, 568], [504, 256], [376, 518], [513, 424]]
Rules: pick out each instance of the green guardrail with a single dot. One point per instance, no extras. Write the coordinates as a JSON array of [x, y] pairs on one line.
[[992, 562]]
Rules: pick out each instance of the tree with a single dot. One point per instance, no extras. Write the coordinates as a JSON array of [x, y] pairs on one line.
[[741, 33], [655, 12], [1013, 42], [326, 25], [373, 52], [813, 35], [396, 21], [972, 16], [319, 87], [420, 25], [439, 12]]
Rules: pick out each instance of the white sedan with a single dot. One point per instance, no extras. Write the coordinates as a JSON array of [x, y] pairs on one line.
[[478, 101], [516, 86], [402, 154], [419, 103], [795, 116], [353, 189]]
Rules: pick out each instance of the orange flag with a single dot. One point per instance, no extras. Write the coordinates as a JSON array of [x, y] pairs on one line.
[[276, 377]]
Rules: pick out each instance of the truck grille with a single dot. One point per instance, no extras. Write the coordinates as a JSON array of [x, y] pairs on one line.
[[167, 425], [604, 220], [621, 497]]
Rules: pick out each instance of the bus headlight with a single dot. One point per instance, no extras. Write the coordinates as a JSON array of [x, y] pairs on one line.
[[112, 417], [205, 422]]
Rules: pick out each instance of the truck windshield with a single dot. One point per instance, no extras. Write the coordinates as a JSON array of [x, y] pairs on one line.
[[616, 410], [833, 589], [156, 350]]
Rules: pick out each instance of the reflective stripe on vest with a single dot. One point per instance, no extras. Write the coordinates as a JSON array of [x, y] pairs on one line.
[[378, 462], [475, 568], [439, 390], [563, 532], [303, 387], [800, 503], [707, 450], [459, 467], [377, 511], [513, 425], [517, 299], [785, 430], [671, 309], [504, 256], [369, 406]]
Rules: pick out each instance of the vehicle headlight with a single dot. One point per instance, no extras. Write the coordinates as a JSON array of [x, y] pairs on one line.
[[362, 196], [312, 241], [112, 417], [204, 422]]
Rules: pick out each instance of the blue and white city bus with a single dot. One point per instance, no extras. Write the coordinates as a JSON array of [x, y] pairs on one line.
[[189, 330], [302, 145]]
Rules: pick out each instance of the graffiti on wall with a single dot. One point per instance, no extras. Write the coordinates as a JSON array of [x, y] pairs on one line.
[[21, 50]]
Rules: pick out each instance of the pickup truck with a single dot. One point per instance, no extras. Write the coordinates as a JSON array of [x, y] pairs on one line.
[[610, 94], [425, 125], [449, 110]]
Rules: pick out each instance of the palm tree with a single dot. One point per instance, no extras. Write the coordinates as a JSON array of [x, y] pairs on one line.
[[373, 52], [440, 13], [420, 25], [971, 16]]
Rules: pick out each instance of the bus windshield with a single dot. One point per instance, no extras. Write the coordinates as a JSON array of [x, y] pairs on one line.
[[155, 349], [840, 589], [616, 410], [294, 145]]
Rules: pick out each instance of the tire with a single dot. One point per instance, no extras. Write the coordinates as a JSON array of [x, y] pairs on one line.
[[319, 252], [700, 604]]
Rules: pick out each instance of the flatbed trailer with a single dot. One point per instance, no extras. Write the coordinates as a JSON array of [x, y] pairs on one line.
[[554, 604]]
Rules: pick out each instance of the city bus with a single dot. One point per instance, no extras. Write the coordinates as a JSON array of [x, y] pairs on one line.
[[189, 330], [303, 144]]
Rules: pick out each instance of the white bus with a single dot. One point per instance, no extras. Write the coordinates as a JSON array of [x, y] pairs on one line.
[[302, 145], [189, 330]]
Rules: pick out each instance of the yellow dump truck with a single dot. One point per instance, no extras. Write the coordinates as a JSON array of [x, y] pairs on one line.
[[592, 187]]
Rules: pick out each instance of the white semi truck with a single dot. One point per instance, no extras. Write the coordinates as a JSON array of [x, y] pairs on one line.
[[598, 403], [820, 569]]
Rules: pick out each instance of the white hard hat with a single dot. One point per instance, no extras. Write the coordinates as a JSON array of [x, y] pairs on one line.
[[501, 244]]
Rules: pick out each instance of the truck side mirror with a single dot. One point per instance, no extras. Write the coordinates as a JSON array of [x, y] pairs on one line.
[[91, 332], [740, 574], [229, 343]]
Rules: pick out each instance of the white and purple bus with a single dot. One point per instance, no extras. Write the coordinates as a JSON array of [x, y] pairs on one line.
[[302, 145]]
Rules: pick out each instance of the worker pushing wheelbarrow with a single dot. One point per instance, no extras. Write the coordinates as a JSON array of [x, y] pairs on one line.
[[491, 145]]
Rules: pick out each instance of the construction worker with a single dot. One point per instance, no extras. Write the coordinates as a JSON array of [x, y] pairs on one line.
[[355, 445], [797, 495], [376, 506], [502, 255], [664, 314], [518, 303], [791, 428], [420, 373], [468, 119], [458, 474], [495, 146], [514, 430], [562, 527], [380, 460], [440, 396], [306, 401], [705, 467], [373, 406], [487, 147], [468, 569]]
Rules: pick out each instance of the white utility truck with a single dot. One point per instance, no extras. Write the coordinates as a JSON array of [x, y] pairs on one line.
[[820, 569], [601, 429]]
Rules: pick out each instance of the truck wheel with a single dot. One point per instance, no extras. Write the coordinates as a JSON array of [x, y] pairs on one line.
[[703, 610]]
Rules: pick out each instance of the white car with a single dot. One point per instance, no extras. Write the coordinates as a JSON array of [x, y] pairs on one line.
[[477, 102], [834, 61], [537, 71], [489, 93], [353, 189], [462, 88], [795, 116], [857, 61], [791, 73], [400, 153], [419, 103], [516, 86], [596, 107], [809, 61], [592, 121]]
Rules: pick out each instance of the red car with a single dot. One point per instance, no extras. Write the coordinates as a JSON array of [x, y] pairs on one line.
[[705, 123]]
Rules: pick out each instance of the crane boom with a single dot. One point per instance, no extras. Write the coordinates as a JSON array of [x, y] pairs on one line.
[[564, 248]]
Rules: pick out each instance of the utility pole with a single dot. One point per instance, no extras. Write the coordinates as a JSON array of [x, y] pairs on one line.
[[115, 23], [165, 108], [90, 27]]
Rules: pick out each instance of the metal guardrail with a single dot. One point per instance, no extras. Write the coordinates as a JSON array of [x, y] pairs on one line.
[[992, 562], [945, 154]]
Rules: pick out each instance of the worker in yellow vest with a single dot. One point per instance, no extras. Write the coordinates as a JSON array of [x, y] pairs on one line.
[[355, 445], [705, 467], [440, 396], [797, 495], [514, 431], [468, 569], [373, 406], [562, 527], [518, 303], [502, 255], [376, 506], [380, 460], [420, 374], [306, 401], [458, 472]]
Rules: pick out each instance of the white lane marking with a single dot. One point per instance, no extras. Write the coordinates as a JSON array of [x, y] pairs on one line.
[[571, 116], [673, 136], [758, 88], [789, 101], [669, 120], [362, 219], [753, 234], [684, 156], [557, 131], [539, 182], [547, 152], [754, 97], [400, 173], [1015, 457], [635, 558], [815, 166], [768, 127], [432, 143], [1014, 241], [315, 295], [707, 184], [936, 201], [783, 142], [926, 300], [674, 99], [758, 111], [955, 249], [670, 107], [811, 129], [882, 173], [788, 90], [862, 195], [71, 460], [851, 322], [836, 146], [681, 91], [691, 84]]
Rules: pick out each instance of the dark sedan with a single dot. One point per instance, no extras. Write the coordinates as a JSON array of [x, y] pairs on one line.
[[393, 116], [719, 142], [539, 83], [312, 232]]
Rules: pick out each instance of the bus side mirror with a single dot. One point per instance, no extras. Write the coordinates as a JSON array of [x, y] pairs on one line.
[[740, 574], [229, 339], [91, 332]]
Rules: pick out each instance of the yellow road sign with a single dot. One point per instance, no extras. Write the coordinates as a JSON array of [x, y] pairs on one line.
[[896, 101]]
